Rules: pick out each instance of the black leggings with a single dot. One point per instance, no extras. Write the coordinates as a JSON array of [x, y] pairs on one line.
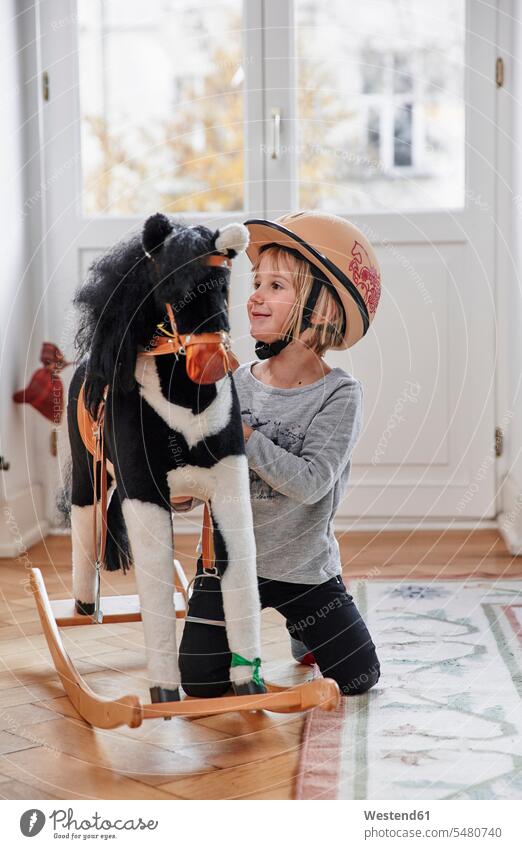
[[323, 616]]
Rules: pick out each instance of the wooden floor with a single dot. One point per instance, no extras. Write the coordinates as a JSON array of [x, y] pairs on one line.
[[47, 751]]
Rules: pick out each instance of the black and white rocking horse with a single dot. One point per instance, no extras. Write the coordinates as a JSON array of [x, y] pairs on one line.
[[156, 378]]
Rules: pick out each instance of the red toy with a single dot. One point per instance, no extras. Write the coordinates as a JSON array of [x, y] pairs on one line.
[[45, 390]]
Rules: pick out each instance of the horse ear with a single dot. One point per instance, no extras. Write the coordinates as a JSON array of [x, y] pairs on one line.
[[231, 239], [155, 230]]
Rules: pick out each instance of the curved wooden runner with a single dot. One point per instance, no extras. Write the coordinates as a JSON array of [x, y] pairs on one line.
[[128, 710]]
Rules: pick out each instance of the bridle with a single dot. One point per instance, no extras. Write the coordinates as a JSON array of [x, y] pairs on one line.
[[209, 355]]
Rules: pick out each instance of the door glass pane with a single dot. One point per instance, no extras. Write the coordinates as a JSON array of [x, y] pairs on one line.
[[161, 94], [380, 99]]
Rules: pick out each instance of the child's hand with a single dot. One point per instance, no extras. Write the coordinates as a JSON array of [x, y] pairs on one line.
[[247, 430], [181, 504]]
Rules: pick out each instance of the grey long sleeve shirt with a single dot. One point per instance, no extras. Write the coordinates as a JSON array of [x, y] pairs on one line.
[[299, 458]]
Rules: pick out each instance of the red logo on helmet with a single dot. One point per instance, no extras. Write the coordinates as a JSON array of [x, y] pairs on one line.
[[366, 277]]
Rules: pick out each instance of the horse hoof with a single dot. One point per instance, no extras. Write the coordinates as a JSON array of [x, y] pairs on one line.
[[161, 694], [249, 688], [84, 608]]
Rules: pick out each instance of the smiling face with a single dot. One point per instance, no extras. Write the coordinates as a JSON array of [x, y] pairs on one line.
[[273, 295]]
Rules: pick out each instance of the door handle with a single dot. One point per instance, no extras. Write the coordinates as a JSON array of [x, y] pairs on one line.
[[276, 132]]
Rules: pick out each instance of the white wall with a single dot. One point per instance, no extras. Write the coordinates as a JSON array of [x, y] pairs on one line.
[[509, 286], [21, 328]]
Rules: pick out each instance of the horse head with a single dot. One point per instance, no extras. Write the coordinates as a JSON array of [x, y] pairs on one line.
[[167, 269], [192, 276]]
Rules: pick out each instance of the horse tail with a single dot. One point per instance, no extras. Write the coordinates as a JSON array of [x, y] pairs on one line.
[[117, 547]]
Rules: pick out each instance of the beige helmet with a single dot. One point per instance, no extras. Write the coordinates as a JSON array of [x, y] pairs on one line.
[[339, 250]]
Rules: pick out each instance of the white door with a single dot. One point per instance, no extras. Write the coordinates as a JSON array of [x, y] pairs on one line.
[[386, 116]]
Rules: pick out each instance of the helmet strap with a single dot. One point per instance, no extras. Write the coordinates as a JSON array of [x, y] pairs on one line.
[[264, 350], [311, 301]]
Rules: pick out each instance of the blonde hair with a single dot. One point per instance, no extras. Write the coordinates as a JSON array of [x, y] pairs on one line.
[[326, 330]]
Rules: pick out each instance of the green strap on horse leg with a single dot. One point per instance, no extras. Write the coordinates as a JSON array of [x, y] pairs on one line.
[[238, 660]]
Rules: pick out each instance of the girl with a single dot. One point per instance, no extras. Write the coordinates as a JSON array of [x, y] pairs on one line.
[[316, 286]]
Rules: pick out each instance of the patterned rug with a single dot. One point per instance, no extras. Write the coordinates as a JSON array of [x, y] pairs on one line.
[[445, 719]]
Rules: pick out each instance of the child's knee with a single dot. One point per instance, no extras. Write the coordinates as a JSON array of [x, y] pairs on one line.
[[363, 680]]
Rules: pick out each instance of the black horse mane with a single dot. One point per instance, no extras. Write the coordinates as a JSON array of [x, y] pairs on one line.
[[116, 314]]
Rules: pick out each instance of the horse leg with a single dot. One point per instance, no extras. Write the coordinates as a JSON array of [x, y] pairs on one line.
[[234, 544], [149, 527], [82, 536], [83, 556]]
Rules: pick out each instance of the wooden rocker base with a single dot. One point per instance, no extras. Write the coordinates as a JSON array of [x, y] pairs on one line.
[[128, 710]]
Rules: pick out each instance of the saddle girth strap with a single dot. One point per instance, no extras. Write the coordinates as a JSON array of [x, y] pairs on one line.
[[100, 457], [207, 543]]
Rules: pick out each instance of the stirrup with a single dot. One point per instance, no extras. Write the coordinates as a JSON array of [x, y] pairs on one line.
[[213, 572], [162, 694]]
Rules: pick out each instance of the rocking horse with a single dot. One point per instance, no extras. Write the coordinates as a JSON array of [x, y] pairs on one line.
[[153, 415]]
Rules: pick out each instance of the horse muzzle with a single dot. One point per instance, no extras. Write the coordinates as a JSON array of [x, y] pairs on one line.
[[208, 357]]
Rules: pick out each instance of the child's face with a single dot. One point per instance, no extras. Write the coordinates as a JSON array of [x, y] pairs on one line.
[[271, 300]]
